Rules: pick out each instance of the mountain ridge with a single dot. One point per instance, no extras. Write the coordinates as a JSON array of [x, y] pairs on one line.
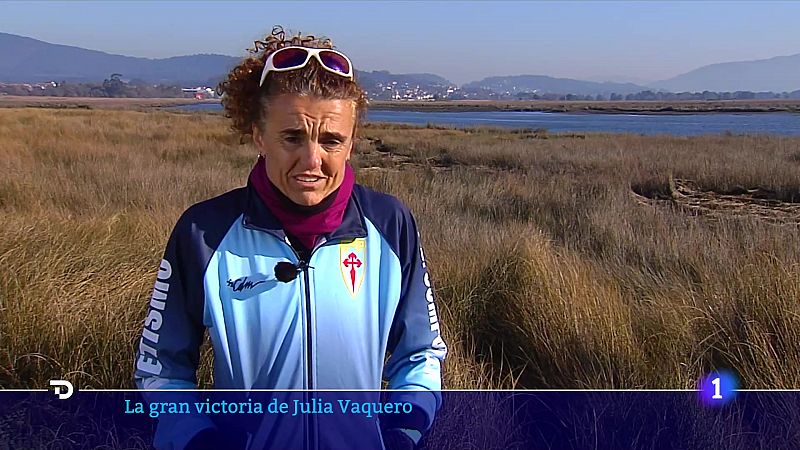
[[776, 74], [548, 84], [26, 60]]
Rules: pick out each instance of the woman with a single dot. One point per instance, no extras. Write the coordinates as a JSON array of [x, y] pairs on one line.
[[304, 279]]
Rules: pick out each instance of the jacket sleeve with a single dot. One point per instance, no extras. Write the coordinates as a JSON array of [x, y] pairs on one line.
[[416, 346], [169, 349]]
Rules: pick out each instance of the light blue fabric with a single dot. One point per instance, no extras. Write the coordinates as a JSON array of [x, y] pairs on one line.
[[274, 312], [365, 294]]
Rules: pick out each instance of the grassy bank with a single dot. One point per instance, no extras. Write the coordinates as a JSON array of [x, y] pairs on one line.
[[550, 271], [140, 104]]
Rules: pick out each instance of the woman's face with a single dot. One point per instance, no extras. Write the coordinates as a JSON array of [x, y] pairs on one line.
[[307, 142]]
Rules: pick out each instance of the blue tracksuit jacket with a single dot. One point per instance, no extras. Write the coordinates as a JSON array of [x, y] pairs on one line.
[[365, 293]]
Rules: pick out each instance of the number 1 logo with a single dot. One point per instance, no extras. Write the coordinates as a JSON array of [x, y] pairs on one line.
[[717, 395], [718, 388]]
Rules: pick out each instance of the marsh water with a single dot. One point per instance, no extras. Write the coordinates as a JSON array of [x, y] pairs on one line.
[[675, 124]]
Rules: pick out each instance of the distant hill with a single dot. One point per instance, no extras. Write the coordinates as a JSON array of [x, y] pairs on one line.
[[24, 59], [383, 85], [27, 60], [779, 74], [544, 84], [619, 79], [370, 79]]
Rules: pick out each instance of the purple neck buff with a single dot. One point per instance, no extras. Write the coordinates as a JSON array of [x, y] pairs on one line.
[[306, 223]]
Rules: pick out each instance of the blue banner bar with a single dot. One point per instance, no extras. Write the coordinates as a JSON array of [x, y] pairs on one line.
[[466, 420]]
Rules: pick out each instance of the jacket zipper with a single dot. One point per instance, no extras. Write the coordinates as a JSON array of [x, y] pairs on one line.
[[309, 359], [304, 266]]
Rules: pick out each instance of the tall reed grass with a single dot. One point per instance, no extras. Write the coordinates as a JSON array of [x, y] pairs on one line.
[[548, 273]]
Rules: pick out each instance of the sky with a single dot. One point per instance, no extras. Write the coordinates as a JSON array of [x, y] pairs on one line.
[[459, 40]]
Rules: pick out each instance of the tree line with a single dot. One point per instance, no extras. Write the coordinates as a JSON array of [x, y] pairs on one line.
[[113, 87], [116, 87], [661, 96]]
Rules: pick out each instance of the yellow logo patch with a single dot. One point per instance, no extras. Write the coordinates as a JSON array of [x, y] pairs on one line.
[[353, 263]]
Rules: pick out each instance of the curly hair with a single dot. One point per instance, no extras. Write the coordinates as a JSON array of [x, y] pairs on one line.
[[246, 102]]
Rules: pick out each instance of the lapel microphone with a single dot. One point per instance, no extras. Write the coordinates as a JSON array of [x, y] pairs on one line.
[[286, 271]]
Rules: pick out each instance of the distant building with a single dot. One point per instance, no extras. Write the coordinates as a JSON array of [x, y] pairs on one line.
[[201, 92]]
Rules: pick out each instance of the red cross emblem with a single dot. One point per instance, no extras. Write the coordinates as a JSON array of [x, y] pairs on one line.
[[352, 261], [353, 258]]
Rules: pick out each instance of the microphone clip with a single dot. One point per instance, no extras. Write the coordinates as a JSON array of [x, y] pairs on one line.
[[286, 271]]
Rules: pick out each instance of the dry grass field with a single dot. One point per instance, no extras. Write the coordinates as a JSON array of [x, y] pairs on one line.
[[559, 260]]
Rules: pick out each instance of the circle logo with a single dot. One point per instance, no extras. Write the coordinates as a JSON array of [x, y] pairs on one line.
[[718, 388]]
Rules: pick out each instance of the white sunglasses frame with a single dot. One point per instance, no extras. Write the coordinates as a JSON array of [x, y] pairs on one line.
[[310, 52]]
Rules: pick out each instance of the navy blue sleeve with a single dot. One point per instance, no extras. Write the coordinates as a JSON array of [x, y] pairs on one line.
[[169, 349], [416, 347]]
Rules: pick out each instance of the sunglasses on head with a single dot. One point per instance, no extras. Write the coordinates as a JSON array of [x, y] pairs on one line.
[[291, 58]]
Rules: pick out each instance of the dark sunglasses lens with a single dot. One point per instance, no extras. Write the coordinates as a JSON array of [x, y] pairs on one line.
[[290, 57], [335, 61]]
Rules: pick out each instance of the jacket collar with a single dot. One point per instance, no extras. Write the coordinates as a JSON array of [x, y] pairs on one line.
[[258, 217]]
